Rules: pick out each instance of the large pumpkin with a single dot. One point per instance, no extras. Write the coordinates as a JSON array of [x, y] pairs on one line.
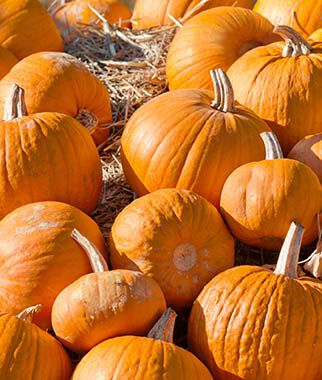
[[38, 258], [305, 16], [7, 61], [175, 237], [282, 83], [29, 353], [140, 358], [214, 39], [190, 140], [105, 304], [260, 199], [59, 82], [249, 323], [26, 28]]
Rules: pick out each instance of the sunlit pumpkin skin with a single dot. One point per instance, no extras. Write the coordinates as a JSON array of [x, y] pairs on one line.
[[29, 353], [284, 91], [316, 36], [309, 151], [249, 323], [7, 61], [151, 13], [23, 25], [59, 82], [38, 258], [307, 17], [226, 34], [175, 237]]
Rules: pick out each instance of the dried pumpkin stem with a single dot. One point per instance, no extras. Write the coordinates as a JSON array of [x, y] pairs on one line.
[[289, 255], [272, 146], [15, 106], [98, 263], [27, 314], [163, 329], [224, 99], [296, 45]]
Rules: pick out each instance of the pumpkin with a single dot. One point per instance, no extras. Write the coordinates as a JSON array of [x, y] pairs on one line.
[[182, 139], [282, 84], [132, 357], [23, 25], [303, 16], [7, 61], [59, 82], [316, 36], [250, 323], [226, 34], [38, 258], [45, 156], [260, 199], [29, 353], [177, 238], [151, 13], [105, 304], [309, 151]]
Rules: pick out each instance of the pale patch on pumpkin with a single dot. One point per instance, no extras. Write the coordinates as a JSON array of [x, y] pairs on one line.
[[185, 257], [31, 229], [195, 279], [63, 60]]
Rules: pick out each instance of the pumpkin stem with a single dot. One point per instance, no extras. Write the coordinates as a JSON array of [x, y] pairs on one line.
[[289, 256], [15, 106], [27, 314], [224, 100], [163, 329], [296, 45], [272, 146], [98, 263]]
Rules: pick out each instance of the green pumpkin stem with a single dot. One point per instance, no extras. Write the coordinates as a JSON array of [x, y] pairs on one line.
[[272, 146], [224, 99], [164, 327], [296, 45], [98, 263], [15, 106], [27, 314]]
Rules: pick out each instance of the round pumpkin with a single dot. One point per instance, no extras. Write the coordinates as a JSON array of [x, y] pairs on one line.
[[177, 238], [282, 84], [132, 357], [26, 28], [38, 258], [260, 199], [309, 151], [29, 353], [189, 139], [59, 82], [305, 16], [105, 304], [7, 61], [249, 323], [213, 39]]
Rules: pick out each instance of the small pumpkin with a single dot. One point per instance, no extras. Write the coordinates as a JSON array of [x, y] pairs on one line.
[[282, 84], [59, 82], [226, 34], [38, 258], [7, 61], [189, 139], [132, 357], [309, 151], [250, 323], [177, 238], [105, 304], [29, 353], [260, 199]]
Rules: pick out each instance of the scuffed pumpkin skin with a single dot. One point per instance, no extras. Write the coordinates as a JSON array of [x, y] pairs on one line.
[[251, 324], [7, 61]]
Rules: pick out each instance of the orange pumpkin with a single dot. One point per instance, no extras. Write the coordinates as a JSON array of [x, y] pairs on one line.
[[153, 358], [309, 151], [27, 352], [175, 237], [215, 38], [27, 28], [38, 258], [260, 199], [305, 16], [58, 82], [105, 304], [182, 139], [7, 61], [282, 84]]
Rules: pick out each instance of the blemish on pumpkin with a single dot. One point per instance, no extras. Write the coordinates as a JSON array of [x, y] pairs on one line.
[[185, 257]]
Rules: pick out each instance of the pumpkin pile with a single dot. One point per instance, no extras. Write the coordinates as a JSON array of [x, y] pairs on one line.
[[160, 190]]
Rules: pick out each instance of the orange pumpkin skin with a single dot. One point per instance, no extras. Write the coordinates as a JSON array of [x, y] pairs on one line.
[[226, 34], [104, 305], [316, 36], [23, 25], [175, 237], [29, 353], [140, 358], [58, 82], [38, 258], [7, 61]]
